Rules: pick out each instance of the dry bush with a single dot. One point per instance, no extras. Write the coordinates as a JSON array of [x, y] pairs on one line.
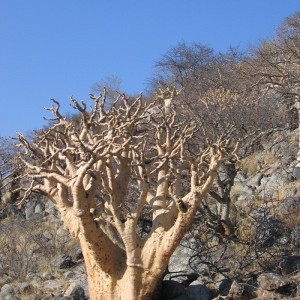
[[16, 256], [30, 245]]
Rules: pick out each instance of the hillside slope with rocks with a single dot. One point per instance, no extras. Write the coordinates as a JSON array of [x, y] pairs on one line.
[[260, 260]]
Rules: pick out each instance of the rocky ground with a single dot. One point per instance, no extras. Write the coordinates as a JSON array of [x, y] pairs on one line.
[[46, 264]]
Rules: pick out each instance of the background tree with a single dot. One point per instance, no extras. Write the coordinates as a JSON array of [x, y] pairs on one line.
[[217, 95], [274, 68], [102, 175]]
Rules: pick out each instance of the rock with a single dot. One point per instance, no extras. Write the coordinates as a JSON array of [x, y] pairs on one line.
[[179, 261], [78, 254], [47, 276], [39, 208], [48, 235], [236, 291], [197, 291], [255, 181], [64, 262], [290, 264], [52, 284], [270, 230], [270, 281], [8, 293], [269, 185], [30, 210], [172, 289], [25, 287], [296, 173], [7, 289], [82, 281], [223, 286], [69, 275], [9, 297], [182, 297], [75, 291]]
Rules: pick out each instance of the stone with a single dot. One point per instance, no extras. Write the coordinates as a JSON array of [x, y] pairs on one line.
[[39, 208], [172, 289], [197, 291], [8, 293], [182, 297], [255, 181], [82, 281], [7, 289], [29, 210], [296, 173], [47, 276], [223, 286], [48, 235], [64, 262], [270, 281], [78, 254], [290, 264], [52, 284], [25, 287], [236, 291], [69, 275], [75, 291]]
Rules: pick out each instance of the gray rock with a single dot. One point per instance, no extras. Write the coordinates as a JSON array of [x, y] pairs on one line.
[[7, 289], [8, 293], [25, 287], [182, 297], [270, 281], [172, 289], [64, 262], [296, 173], [69, 275], [75, 291], [179, 260], [198, 291], [82, 281], [269, 185], [48, 235], [223, 286], [52, 284], [39, 208], [236, 290], [290, 264], [9, 297], [33, 276], [30, 210], [255, 181]]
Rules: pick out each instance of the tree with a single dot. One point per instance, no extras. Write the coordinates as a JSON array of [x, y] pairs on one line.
[[8, 171], [102, 175], [275, 68]]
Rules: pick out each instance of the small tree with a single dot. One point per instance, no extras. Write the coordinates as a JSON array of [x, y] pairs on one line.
[[104, 173]]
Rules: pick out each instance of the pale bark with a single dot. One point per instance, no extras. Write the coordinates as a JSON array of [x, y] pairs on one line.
[[103, 173]]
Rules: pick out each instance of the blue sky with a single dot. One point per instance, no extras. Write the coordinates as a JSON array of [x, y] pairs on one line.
[[59, 48]]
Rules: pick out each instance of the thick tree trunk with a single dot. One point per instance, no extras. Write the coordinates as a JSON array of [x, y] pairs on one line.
[[134, 284], [111, 275]]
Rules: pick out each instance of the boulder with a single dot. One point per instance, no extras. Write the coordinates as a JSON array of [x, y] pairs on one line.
[[270, 281], [64, 262], [236, 291], [172, 289], [25, 287], [75, 291], [290, 264], [198, 291], [8, 293], [223, 286], [52, 285]]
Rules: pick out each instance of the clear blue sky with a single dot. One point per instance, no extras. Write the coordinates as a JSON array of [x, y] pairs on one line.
[[58, 48]]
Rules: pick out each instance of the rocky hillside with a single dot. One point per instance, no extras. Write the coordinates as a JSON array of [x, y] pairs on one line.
[[260, 260]]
